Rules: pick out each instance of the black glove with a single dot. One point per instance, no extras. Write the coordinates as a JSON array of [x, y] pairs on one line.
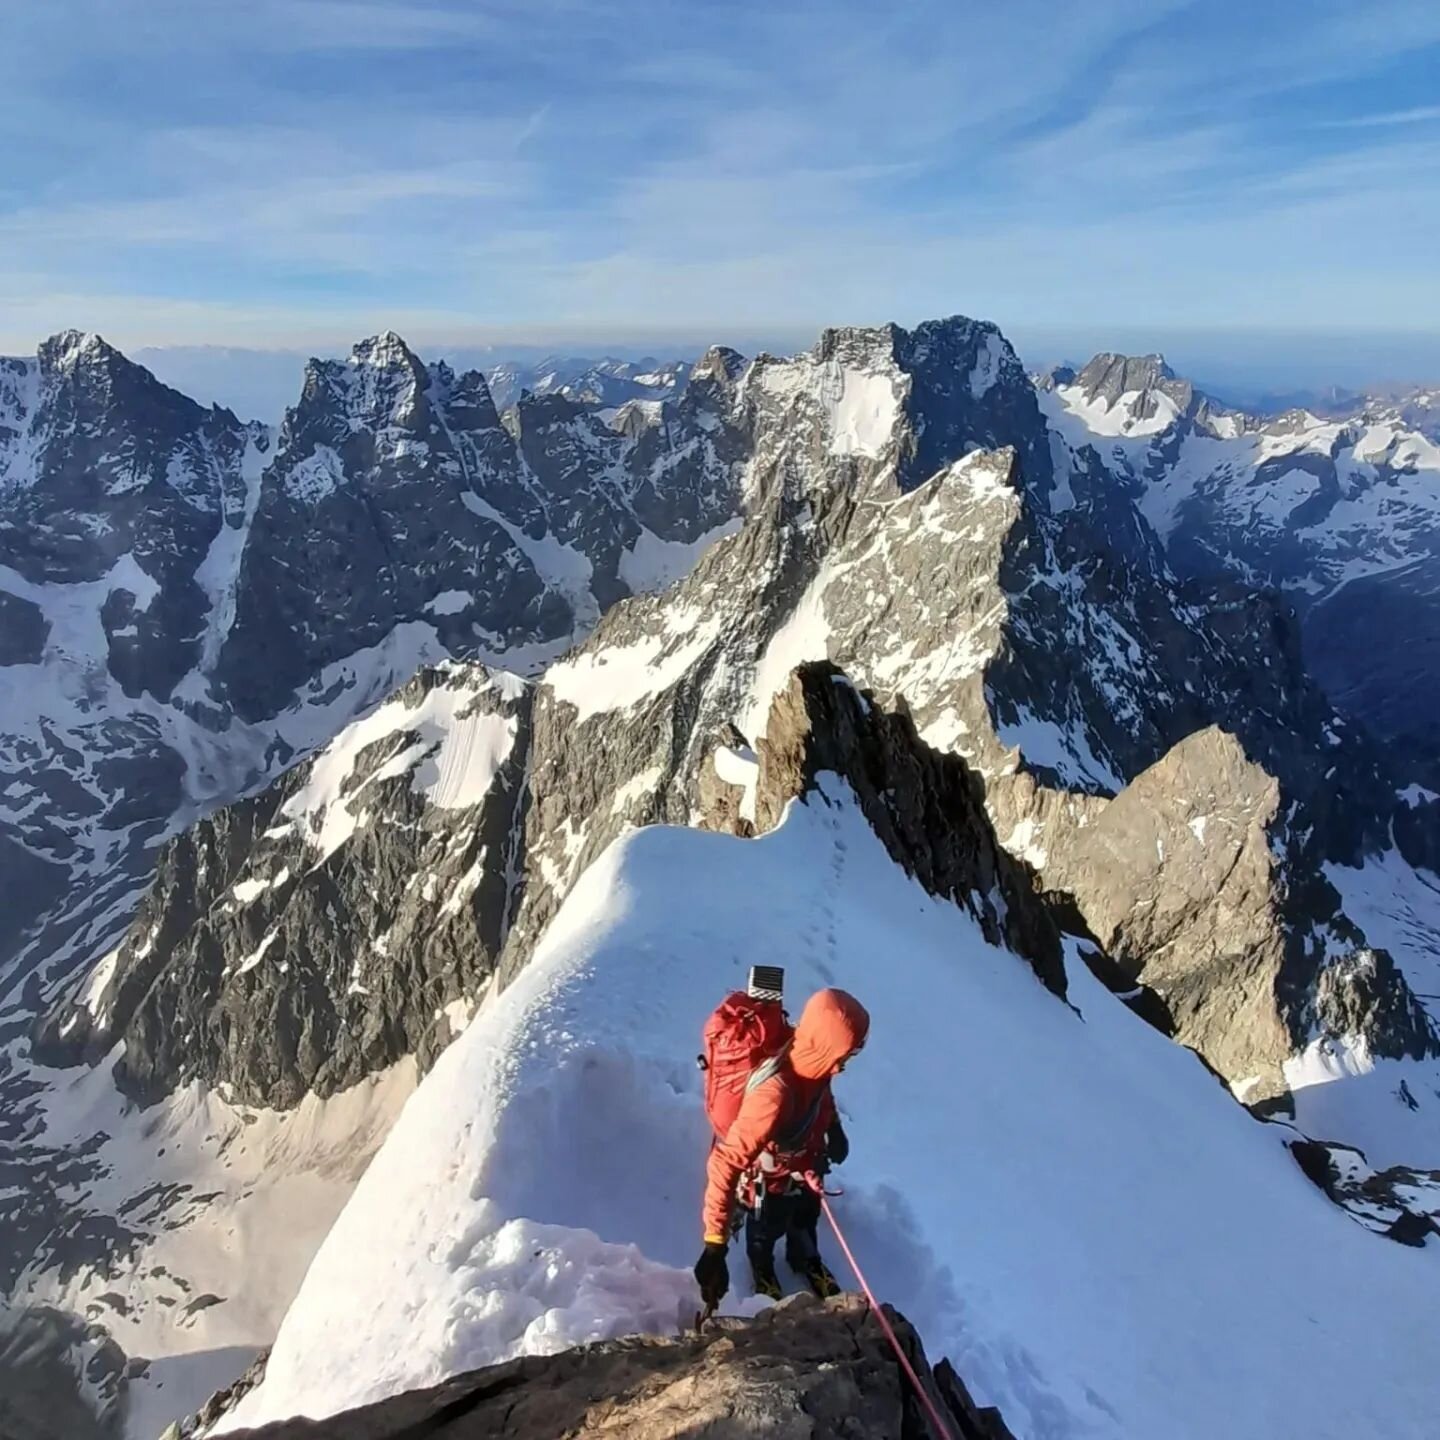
[[837, 1143], [713, 1274]]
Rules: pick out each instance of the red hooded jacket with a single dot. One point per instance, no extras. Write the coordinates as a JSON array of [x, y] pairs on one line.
[[832, 1027]]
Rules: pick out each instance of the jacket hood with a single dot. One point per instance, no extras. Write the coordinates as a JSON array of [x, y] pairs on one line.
[[832, 1027]]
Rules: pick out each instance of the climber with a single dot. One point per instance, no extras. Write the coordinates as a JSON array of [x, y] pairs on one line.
[[787, 1128]]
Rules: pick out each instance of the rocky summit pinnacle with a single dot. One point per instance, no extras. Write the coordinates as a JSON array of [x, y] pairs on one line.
[[824, 1371], [70, 347], [385, 343], [1116, 375]]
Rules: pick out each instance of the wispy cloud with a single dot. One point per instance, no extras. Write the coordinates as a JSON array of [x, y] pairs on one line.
[[1418, 115]]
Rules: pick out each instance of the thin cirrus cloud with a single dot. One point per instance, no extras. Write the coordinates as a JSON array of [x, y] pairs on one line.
[[299, 171], [1418, 115]]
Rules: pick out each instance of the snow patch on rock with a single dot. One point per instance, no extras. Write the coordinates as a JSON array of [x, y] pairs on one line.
[[651, 564], [617, 677]]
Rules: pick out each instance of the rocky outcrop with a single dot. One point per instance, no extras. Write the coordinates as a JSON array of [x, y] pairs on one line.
[[1195, 886], [1176, 878], [927, 808], [1399, 1203], [808, 1369]]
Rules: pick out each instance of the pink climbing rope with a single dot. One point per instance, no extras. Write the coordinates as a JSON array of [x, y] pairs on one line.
[[942, 1430]]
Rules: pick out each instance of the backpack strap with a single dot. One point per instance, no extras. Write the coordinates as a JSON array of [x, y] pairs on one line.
[[799, 1132], [768, 1069], [796, 1133]]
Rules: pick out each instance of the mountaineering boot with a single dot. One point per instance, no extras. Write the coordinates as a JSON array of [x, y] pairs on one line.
[[816, 1274], [762, 1271]]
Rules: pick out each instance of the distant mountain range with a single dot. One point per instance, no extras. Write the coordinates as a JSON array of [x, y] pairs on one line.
[[261, 384]]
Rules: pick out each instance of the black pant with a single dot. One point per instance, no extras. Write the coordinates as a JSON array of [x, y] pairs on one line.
[[795, 1214]]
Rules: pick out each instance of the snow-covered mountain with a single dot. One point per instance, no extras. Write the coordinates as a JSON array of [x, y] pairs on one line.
[[1340, 511], [607, 383], [1040, 716]]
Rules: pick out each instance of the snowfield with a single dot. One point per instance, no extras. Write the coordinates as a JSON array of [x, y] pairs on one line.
[[1062, 1200], [202, 1294]]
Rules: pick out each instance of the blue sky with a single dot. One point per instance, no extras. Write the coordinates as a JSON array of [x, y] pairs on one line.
[[300, 172]]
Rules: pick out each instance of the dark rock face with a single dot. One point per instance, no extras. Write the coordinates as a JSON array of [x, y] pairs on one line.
[[23, 628], [115, 497], [101, 461], [803, 1369], [1351, 649], [398, 497], [687, 455], [968, 391], [363, 523], [109, 468]]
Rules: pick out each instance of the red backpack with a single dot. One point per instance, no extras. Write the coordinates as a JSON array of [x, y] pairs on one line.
[[743, 1034]]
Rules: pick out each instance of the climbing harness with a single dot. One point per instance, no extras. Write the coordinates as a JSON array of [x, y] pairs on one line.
[[942, 1430]]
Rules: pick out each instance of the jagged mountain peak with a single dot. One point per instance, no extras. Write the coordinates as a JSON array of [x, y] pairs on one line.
[[888, 408], [1135, 383], [467, 394], [864, 345], [893, 345], [1129, 396], [719, 363], [83, 362], [68, 348], [382, 381], [954, 330], [386, 348]]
